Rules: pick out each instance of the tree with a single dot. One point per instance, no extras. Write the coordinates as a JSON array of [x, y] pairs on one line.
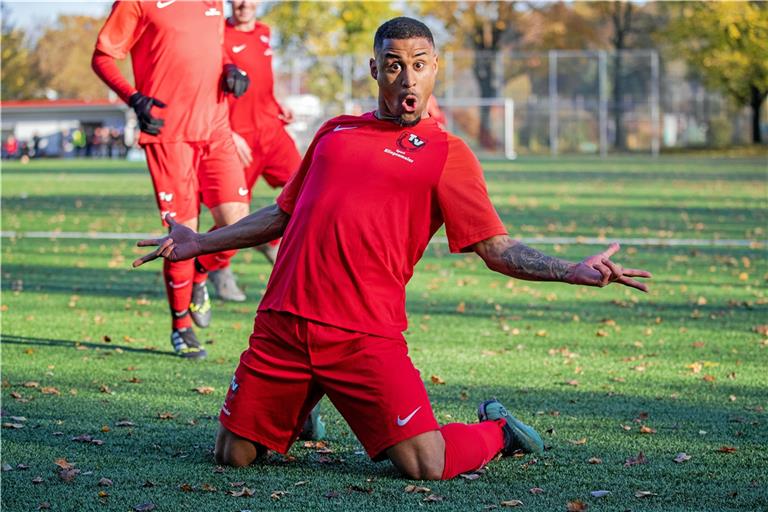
[[485, 28], [20, 78], [64, 52], [727, 44], [325, 30]]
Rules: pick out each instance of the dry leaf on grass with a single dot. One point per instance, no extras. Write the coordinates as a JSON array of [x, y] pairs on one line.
[[243, 492], [204, 390], [633, 461], [595, 460], [433, 498], [104, 482], [144, 507], [511, 503], [644, 494], [727, 449], [576, 506], [436, 379], [681, 457], [536, 490], [599, 494], [410, 488]]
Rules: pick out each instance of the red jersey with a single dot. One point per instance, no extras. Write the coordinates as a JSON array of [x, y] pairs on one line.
[[251, 52], [175, 48], [364, 204]]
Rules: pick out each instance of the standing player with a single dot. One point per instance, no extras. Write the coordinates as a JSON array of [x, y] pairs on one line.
[[181, 75], [258, 123], [374, 189]]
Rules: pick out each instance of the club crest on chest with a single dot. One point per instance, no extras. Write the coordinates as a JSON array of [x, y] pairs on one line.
[[410, 142]]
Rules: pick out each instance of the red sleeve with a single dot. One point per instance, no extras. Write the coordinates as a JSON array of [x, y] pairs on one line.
[[105, 67], [122, 29], [290, 193], [463, 198]]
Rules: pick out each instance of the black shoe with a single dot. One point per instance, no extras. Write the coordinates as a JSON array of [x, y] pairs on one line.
[[200, 306], [185, 344]]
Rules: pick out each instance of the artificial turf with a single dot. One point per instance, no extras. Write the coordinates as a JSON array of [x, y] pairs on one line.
[[603, 374]]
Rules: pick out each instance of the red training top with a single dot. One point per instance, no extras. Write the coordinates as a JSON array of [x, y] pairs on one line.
[[177, 57], [364, 204], [251, 52]]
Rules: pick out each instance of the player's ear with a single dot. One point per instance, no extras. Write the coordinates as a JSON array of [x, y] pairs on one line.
[[374, 68]]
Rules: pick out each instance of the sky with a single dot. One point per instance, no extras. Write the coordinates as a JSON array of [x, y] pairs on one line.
[[32, 14]]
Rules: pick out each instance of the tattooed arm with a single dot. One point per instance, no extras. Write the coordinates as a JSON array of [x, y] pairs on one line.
[[516, 259]]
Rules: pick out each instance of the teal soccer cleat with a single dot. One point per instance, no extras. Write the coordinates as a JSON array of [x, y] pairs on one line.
[[517, 435]]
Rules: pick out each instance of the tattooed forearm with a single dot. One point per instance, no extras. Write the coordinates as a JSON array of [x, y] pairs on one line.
[[528, 263], [515, 259]]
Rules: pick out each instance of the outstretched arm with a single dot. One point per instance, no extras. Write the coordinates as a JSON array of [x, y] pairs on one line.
[[183, 243], [516, 259]]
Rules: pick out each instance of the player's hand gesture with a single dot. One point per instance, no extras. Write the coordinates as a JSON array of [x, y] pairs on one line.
[[234, 80], [182, 243], [142, 105], [599, 270]]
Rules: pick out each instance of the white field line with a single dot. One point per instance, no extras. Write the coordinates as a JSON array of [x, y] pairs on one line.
[[438, 240]]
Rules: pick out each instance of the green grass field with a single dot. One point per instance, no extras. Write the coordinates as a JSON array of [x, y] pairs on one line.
[[603, 374]]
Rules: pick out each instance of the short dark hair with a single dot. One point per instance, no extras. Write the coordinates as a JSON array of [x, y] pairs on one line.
[[401, 28]]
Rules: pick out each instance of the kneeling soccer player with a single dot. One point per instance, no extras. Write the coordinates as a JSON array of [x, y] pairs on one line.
[[355, 219]]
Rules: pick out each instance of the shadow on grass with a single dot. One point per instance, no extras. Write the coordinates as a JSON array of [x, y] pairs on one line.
[[49, 342]]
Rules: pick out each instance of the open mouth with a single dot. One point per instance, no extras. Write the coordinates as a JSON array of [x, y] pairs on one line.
[[409, 103]]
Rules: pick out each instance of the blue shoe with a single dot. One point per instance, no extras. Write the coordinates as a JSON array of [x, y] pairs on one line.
[[314, 427], [517, 435], [185, 344]]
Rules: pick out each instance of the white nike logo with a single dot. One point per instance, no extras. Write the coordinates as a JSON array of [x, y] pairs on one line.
[[242, 191], [340, 128], [238, 49], [163, 5], [178, 285], [213, 12], [403, 422]]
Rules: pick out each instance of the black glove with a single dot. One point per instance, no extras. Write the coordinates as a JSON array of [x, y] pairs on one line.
[[234, 80], [142, 105]]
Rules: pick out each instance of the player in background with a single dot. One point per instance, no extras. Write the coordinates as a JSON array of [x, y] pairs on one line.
[[355, 219], [258, 124], [436, 113], [181, 76]]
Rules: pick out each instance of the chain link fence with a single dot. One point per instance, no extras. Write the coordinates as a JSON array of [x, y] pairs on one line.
[[563, 102]]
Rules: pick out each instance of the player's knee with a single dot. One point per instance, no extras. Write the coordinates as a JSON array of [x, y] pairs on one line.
[[227, 456], [423, 470]]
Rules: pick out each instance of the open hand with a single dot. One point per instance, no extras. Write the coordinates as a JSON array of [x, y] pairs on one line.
[[599, 270], [182, 243]]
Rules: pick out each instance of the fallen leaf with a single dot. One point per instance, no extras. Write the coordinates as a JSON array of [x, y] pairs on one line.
[[681, 457], [16, 395], [44, 506], [205, 390], [166, 415], [301, 482], [576, 506], [644, 494], [599, 494], [331, 494], [37, 480], [359, 488], [709, 378], [410, 488], [22, 467], [207, 488], [186, 488], [511, 503], [436, 379], [243, 492], [105, 482], [536, 490], [236, 484], [583, 440], [144, 507], [148, 483], [433, 498], [633, 461], [7, 467], [50, 390], [647, 430], [13, 425], [595, 460], [469, 476], [63, 464], [461, 307], [276, 495], [727, 449], [68, 475], [125, 423], [31, 384]]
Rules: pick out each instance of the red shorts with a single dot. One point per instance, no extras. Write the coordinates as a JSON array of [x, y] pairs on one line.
[[274, 154], [292, 362], [183, 173]]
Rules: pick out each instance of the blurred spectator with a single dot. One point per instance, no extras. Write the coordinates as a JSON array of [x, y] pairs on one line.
[[10, 147], [79, 142], [35, 146]]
